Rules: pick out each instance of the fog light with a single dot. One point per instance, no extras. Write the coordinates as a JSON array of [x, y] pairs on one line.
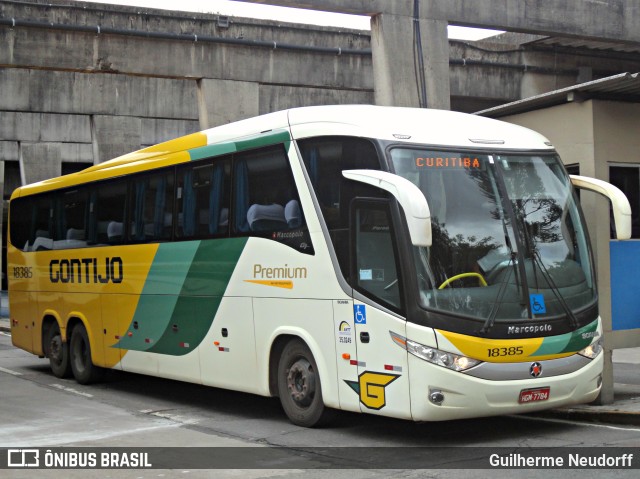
[[436, 397]]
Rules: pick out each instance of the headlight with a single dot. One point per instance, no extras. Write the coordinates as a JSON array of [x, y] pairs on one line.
[[435, 356], [592, 350]]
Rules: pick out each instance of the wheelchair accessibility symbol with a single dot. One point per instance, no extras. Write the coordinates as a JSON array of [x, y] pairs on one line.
[[359, 314], [537, 304]]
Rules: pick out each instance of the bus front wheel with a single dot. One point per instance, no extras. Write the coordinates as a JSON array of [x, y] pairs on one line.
[[58, 352], [83, 368], [299, 386]]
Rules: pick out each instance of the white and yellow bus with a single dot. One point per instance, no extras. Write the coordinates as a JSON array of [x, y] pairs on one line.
[[412, 263]]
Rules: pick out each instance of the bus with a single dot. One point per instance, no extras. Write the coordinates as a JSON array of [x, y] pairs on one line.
[[412, 263]]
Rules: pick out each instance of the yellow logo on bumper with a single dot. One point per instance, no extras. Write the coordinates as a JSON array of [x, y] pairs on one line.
[[371, 388]]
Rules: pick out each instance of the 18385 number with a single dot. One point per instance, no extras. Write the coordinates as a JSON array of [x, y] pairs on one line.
[[511, 351], [22, 272]]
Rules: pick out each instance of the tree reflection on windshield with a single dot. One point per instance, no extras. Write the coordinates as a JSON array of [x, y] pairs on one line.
[[490, 249]]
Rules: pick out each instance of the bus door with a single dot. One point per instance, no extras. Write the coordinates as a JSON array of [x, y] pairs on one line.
[[382, 383]]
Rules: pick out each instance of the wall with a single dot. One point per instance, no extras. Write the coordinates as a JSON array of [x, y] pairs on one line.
[[80, 96], [72, 92]]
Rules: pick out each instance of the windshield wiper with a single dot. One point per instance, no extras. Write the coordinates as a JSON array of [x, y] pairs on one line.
[[537, 260], [488, 324], [517, 269]]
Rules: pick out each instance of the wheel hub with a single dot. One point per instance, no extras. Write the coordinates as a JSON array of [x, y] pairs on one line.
[[301, 382]]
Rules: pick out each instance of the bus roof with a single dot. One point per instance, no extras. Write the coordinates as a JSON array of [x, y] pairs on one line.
[[410, 125], [415, 125]]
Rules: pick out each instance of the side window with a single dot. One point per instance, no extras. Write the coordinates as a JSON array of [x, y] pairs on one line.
[[325, 158], [202, 200], [109, 202], [266, 201], [31, 223], [74, 217], [375, 271], [20, 219], [151, 207], [47, 222]]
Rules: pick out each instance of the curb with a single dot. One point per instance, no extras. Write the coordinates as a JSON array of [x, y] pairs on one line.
[[616, 416]]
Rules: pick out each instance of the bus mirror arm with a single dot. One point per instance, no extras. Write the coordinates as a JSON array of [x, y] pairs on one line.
[[412, 200], [619, 202]]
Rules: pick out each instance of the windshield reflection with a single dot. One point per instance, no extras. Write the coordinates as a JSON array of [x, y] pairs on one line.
[[508, 240]]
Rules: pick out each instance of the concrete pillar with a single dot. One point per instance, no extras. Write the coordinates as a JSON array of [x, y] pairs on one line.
[[395, 62], [224, 101]]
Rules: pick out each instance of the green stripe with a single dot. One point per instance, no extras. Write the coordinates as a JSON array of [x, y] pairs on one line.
[[201, 295], [182, 294], [569, 342], [159, 295], [272, 137], [212, 150]]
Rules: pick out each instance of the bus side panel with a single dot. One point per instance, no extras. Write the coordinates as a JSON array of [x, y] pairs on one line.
[[141, 331], [309, 319], [185, 367], [228, 352], [23, 318], [22, 274], [117, 311]]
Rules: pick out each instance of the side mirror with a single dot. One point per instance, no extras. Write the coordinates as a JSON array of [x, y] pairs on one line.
[[619, 202], [412, 200]]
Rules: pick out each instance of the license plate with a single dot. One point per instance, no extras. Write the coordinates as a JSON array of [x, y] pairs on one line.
[[534, 395]]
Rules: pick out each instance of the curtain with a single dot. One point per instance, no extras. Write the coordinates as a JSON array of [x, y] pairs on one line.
[[215, 197], [188, 205], [241, 196]]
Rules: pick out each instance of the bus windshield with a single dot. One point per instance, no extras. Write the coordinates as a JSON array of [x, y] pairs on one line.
[[508, 239]]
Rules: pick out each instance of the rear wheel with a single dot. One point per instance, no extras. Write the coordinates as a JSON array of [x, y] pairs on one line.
[[299, 386], [83, 368], [58, 352]]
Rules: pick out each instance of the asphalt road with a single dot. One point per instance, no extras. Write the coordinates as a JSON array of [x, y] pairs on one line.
[[40, 410]]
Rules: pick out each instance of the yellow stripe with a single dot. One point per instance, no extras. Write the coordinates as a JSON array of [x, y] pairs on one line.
[[157, 156], [498, 350]]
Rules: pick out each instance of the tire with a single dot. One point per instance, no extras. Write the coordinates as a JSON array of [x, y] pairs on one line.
[[299, 386], [82, 367], [58, 352]]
